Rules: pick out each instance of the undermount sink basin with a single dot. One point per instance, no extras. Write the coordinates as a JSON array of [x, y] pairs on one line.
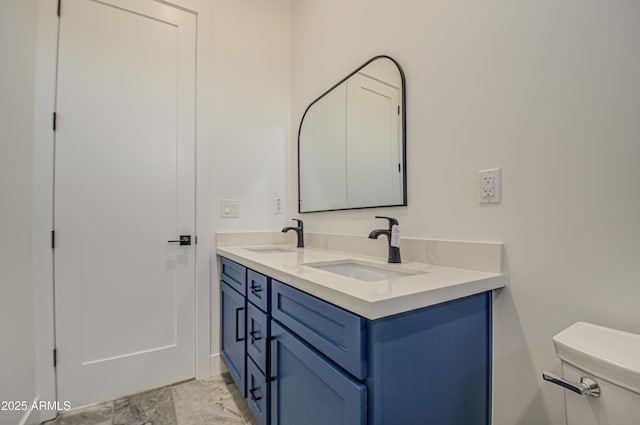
[[363, 271], [268, 250]]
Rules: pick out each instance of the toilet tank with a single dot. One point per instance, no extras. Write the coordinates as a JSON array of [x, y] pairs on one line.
[[611, 358]]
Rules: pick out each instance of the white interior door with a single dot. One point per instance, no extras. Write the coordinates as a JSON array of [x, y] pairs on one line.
[[124, 187]]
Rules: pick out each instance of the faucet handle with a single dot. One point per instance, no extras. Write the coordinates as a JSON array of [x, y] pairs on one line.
[[392, 221], [300, 223]]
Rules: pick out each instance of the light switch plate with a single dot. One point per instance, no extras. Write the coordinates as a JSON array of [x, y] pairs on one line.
[[229, 208]]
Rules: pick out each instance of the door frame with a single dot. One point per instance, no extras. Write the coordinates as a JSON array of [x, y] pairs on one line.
[[45, 77]]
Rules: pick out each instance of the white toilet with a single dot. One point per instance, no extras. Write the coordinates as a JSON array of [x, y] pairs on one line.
[[610, 361]]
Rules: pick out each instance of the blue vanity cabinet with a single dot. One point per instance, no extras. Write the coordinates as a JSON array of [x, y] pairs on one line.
[[313, 363], [425, 366], [309, 389]]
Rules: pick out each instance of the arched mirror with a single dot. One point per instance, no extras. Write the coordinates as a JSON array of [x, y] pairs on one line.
[[352, 142]]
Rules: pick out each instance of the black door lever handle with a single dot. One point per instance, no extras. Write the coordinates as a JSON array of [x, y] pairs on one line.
[[184, 240]]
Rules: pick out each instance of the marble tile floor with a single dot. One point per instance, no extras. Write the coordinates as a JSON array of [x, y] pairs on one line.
[[213, 401]]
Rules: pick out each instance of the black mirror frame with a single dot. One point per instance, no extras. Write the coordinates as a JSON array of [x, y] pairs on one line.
[[404, 135]]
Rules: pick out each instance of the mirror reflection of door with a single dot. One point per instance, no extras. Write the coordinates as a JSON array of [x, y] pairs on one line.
[[373, 176], [351, 142]]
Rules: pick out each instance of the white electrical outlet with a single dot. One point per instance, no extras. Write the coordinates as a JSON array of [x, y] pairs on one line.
[[229, 208], [490, 186], [278, 206]]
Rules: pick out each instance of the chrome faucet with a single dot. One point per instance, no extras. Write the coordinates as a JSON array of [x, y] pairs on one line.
[[299, 231], [394, 251]]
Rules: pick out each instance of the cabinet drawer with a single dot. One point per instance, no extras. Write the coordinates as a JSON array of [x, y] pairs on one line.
[[337, 333], [257, 393], [234, 274], [257, 335], [258, 290]]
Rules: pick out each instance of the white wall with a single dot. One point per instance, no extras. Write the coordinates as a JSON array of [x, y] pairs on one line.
[[250, 153], [251, 115], [17, 48], [550, 92]]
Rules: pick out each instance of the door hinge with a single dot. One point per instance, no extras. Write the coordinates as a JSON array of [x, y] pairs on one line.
[[398, 109], [55, 121], [399, 169], [59, 7], [55, 357], [53, 239]]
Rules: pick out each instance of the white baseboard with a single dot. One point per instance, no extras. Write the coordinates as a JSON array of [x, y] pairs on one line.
[[31, 417], [217, 365]]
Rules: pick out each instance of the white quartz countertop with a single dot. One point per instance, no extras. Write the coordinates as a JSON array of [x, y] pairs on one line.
[[373, 300]]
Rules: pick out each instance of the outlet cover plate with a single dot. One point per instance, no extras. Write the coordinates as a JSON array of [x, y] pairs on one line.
[[490, 186]]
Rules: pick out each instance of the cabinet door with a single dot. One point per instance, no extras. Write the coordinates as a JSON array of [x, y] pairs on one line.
[[309, 389], [232, 340]]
